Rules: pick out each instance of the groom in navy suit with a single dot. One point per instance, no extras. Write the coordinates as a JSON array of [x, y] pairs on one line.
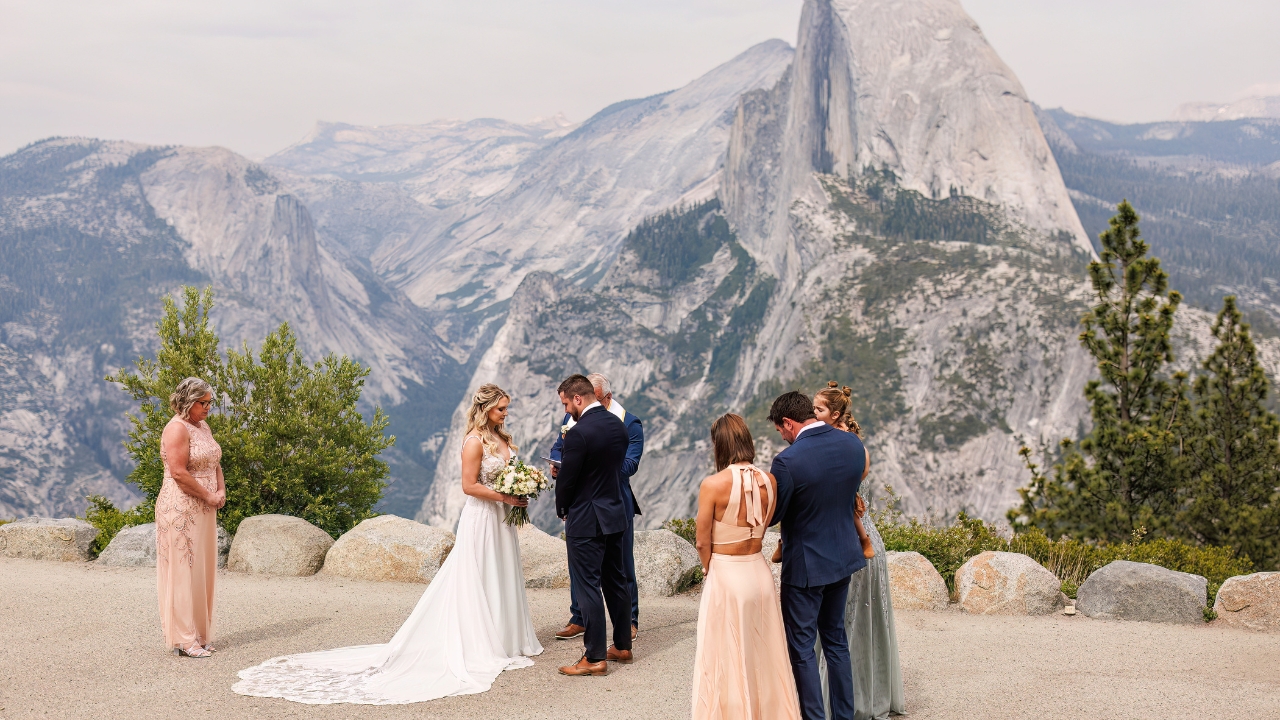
[[635, 450], [818, 479], [590, 501]]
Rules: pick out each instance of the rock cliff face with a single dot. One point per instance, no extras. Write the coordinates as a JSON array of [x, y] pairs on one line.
[[893, 220], [94, 232]]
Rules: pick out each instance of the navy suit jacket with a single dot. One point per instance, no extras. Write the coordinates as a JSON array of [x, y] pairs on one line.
[[818, 479], [589, 486], [635, 450]]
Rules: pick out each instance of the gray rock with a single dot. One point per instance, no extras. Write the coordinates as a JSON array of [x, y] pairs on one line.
[[914, 584], [665, 562], [42, 538], [131, 547], [278, 545], [1251, 602], [544, 559], [224, 547], [389, 549], [768, 545], [1127, 590], [136, 547], [1004, 583]]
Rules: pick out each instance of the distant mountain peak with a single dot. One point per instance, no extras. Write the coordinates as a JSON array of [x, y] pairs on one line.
[[1244, 108]]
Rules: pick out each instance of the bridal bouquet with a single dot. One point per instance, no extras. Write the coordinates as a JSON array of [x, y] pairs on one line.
[[523, 481]]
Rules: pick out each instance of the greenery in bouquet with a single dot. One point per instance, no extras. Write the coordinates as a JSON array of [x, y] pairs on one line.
[[523, 481]]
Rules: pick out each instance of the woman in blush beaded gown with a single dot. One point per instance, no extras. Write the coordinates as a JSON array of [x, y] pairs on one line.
[[187, 521]]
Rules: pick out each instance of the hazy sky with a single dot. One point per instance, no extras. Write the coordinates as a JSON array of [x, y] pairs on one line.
[[256, 75]]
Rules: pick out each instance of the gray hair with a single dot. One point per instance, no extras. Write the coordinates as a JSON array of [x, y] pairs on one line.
[[600, 381], [186, 394]]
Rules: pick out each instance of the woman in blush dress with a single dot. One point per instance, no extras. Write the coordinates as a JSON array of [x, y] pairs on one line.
[[187, 521], [741, 669], [868, 614]]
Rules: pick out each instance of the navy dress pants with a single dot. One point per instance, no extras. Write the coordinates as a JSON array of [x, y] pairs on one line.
[[598, 579], [809, 613], [628, 560]]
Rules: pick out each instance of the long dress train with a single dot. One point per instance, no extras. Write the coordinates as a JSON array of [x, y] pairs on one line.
[[471, 624], [873, 642]]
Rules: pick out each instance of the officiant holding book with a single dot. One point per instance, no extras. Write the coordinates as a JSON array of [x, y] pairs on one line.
[[635, 449]]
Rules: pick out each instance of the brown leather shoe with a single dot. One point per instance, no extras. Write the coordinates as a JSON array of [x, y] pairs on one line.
[[619, 656], [634, 631], [570, 632], [586, 667]]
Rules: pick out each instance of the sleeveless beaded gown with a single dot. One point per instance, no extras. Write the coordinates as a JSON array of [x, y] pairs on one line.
[[471, 624], [187, 544]]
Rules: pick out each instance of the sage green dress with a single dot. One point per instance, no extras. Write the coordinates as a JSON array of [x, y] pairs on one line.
[[873, 644]]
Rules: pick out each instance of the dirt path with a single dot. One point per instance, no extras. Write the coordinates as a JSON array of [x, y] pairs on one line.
[[81, 641]]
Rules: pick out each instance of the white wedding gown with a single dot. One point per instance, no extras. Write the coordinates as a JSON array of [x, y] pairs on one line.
[[471, 624]]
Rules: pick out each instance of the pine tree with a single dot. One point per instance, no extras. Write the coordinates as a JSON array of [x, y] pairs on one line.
[[188, 348], [1232, 449], [1122, 475]]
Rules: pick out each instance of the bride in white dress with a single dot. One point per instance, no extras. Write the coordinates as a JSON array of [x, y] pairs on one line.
[[472, 622]]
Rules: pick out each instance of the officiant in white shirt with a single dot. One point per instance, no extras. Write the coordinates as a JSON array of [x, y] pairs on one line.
[[635, 449]]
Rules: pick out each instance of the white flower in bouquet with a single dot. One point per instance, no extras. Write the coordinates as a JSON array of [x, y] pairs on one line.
[[523, 481]]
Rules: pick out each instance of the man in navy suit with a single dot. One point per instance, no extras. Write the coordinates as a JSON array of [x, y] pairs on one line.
[[590, 501], [635, 450], [818, 479]]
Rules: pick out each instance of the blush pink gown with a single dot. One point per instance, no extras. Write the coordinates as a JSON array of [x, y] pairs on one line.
[[741, 668], [187, 545]]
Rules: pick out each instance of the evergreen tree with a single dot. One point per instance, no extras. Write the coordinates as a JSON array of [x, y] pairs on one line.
[[188, 348], [1123, 474], [293, 441], [1232, 449]]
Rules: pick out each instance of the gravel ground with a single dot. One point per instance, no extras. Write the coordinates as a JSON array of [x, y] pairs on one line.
[[83, 641]]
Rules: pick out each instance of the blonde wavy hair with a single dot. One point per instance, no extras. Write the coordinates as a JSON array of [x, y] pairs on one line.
[[486, 399], [188, 393]]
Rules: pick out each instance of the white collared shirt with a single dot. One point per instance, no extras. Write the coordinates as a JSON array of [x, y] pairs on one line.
[[618, 411], [810, 426], [585, 409], [615, 407]]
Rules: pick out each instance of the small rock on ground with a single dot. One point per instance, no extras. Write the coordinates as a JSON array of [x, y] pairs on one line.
[[665, 562], [914, 584], [1004, 583], [42, 538], [388, 548], [1125, 590], [1250, 601], [278, 545]]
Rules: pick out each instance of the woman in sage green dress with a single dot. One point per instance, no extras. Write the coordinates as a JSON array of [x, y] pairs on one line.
[[868, 613]]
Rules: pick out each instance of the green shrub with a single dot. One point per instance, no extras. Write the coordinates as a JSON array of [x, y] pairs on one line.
[[947, 547], [104, 515], [686, 528], [293, 439], [691, 581]]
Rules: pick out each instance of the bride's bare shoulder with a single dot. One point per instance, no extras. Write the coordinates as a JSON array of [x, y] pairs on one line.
[[473, 449]]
